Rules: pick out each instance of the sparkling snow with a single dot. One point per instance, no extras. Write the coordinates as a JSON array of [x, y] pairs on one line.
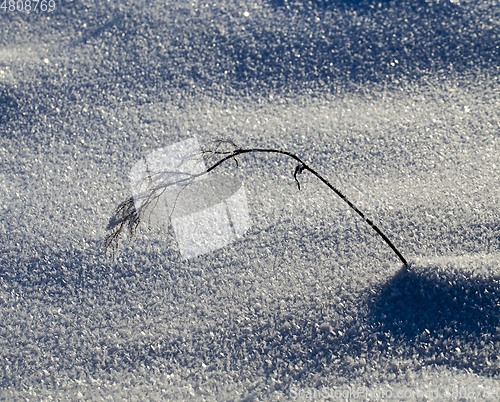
[[395, 102]]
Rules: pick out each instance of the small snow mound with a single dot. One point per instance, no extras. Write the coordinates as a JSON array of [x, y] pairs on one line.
[[472, 264]]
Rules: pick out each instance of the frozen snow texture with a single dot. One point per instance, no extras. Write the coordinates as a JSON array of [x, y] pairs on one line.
[[307, 297]]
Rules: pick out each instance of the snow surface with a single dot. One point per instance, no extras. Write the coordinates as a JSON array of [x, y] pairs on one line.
[[395, 102]]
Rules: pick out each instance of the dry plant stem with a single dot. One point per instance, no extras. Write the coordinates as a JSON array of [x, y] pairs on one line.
[[300, 168], [126, 216]]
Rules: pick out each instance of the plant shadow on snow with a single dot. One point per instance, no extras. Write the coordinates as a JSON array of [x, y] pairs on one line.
[[441, 317]]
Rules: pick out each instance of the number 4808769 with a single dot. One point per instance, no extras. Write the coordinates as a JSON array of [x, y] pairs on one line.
[[28, 5]]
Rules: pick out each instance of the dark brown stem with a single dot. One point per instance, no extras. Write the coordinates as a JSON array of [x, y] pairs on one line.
[[300, 168], [126, 217]]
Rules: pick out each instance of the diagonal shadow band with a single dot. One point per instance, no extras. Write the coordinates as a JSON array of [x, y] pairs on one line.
[[438, 315], [430, 301]]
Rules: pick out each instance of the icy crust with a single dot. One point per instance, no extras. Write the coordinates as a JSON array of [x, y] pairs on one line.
[[444, 310], [309, 296], [262, 325], [152, 46]]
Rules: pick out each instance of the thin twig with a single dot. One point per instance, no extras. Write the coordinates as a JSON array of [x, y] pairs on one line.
[[121, 220]]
